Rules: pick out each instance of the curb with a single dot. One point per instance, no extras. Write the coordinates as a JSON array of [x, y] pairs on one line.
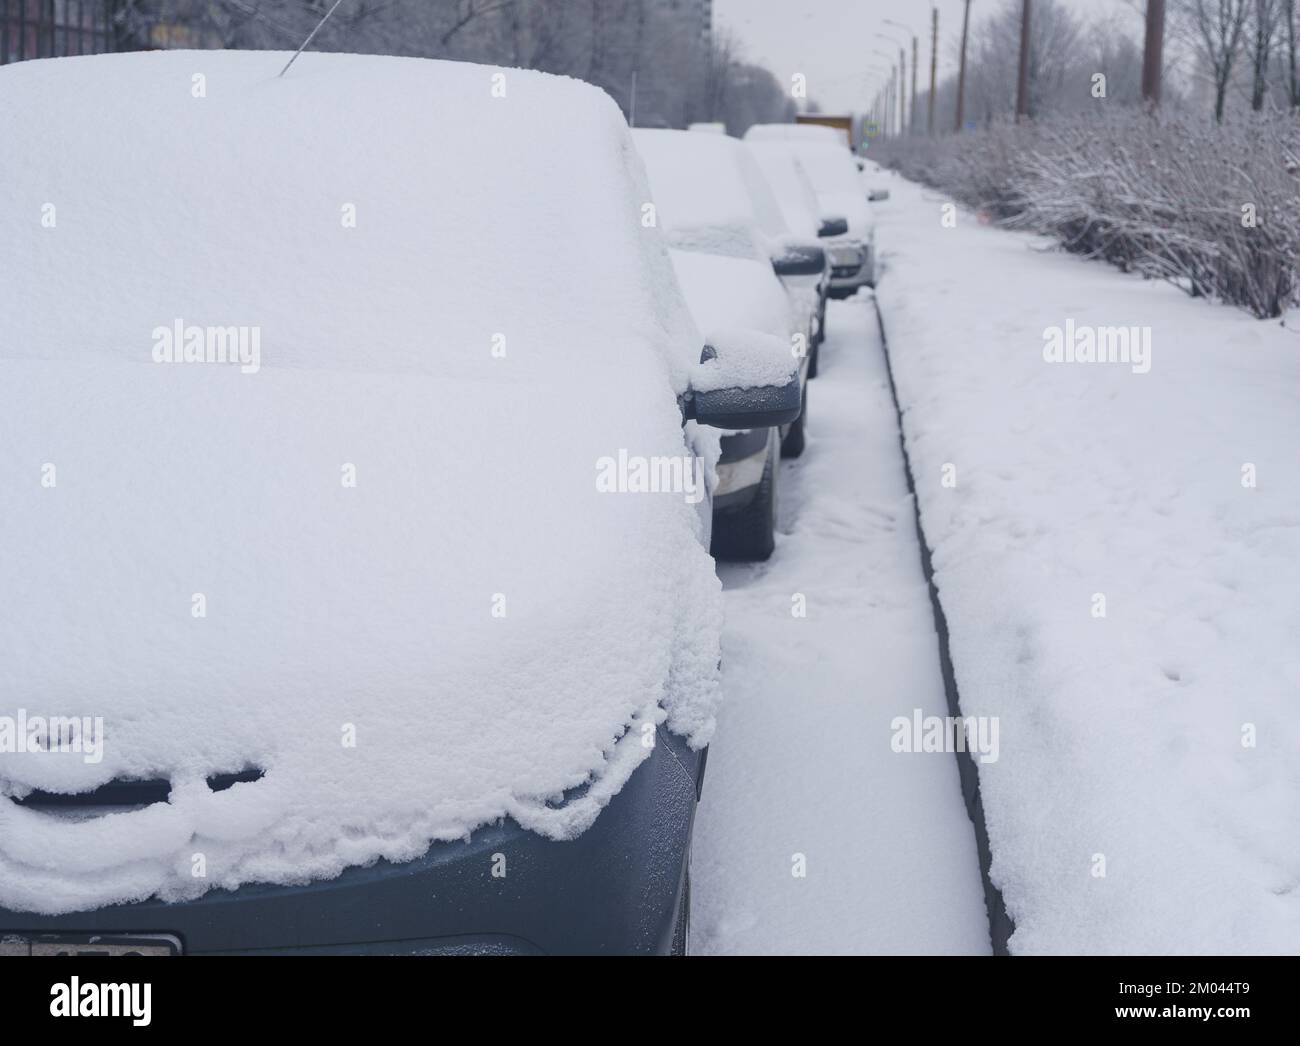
[[1001, 926]]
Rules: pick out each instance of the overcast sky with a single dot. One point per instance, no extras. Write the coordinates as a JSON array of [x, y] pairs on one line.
[[832, 42]]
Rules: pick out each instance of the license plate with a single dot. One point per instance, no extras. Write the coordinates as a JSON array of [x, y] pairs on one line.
[[89, 944]]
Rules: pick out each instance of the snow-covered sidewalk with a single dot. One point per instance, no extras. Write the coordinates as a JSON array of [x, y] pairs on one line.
[[1117, 549], [801, 773]]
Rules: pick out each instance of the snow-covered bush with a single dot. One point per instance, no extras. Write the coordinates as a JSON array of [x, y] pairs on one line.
[[1215, 210]]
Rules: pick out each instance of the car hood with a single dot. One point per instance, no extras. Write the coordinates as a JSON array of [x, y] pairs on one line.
[[404, 600]]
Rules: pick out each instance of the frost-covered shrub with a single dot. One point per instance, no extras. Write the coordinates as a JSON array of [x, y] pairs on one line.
[[1215, 210]]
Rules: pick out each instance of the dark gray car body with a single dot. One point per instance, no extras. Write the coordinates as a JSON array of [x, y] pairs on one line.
[[616, 889]]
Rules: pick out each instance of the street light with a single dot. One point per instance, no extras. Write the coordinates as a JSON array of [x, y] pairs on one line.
[[961, 75], [876, 74], [916, 61], [889, 89], [902, 83]]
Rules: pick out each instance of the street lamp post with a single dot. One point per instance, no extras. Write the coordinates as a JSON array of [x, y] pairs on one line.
[[1153, 54], [876, 111], [916, 62], [1022, 81], [961, 75], [902, 79], [889, 89], [934, 68]]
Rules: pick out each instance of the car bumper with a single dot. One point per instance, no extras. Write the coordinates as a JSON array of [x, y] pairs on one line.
[[851, 267], [613, 890]]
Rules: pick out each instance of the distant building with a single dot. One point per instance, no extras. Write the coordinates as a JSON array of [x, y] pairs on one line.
[[698, 11], [51, 28]]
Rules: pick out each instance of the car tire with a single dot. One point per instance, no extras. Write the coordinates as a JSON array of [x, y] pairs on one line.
[[812, 360], [795, 441], [749, 535]]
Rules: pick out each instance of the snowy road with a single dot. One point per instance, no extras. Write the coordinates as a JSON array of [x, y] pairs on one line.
[[801, 774]]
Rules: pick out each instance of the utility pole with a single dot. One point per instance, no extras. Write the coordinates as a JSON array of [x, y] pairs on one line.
[[916, 61], [1153, 57], [889, 85], [902, 91], [916, 67], [934, 68], [894, 106], [892, 93], [1022, 87], [961, 75]]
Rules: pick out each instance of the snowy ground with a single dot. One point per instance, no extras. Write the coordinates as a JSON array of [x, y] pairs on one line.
[[801, 763], [1118, 556]]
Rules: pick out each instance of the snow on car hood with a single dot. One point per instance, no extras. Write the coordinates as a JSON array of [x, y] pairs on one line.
[[377, 568]]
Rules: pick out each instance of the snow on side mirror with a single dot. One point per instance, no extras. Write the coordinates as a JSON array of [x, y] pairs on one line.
[[833, 227], [744, 380], [800, 259]]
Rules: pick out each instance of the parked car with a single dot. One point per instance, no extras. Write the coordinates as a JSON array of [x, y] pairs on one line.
[[749, 282], [801, 133], [802, 211], [359, 572], [838, 183]]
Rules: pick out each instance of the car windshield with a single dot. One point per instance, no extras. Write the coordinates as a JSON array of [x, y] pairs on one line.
[[790, 184]]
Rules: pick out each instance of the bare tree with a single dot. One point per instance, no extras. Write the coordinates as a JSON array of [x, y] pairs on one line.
[[1293, 84], [1053, 71], [1264, 25], [1216, 28]]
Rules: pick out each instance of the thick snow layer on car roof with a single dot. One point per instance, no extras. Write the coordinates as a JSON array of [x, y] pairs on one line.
[[378, 568], [710, 194], [796, 132]]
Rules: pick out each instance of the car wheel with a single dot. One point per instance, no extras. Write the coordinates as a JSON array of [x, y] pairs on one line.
[[812, 360], [793, 444], [682, 932], [749, 535]]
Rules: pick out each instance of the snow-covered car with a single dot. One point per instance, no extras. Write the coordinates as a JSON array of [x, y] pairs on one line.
[[357, 501], [838, 184], [803, 215], [801, 133], [752, 285]]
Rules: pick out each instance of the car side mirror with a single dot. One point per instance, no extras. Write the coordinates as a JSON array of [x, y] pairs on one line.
[[755, 388], [833, 227], [800, 259]]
